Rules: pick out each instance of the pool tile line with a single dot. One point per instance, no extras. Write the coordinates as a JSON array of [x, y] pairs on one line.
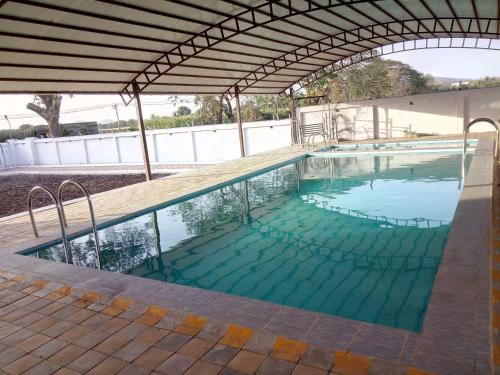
[[288, 354]]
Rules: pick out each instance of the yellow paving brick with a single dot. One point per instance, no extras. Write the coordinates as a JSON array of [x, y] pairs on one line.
[[237, 336], [113, 311], [496, 320], [122, 303], [288, 349], [152, 315], [350, 364], [87, 299], [416, 371], [495, 295], [191, 325], [495, 274], [496, 355], [42, 283], [19, 278]]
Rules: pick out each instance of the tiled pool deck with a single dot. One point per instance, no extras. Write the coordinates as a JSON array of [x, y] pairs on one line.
[[58, 317]]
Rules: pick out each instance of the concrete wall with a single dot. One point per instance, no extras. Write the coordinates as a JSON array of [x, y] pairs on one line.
[[197, 144], [438, 113]]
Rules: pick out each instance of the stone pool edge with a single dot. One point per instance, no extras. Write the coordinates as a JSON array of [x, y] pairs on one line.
[[460, 291]]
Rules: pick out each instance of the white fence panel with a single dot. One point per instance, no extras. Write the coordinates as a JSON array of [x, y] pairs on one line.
[[215, 145], [198, 144], [102, 150], [72, 152], [129, 149], [46, 151], [175, 147]]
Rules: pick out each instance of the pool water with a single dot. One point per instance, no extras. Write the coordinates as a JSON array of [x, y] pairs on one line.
[[397, 146], [359, 237]]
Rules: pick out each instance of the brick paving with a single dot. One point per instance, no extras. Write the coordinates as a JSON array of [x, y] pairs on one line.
[[16, 232], [58, 318], [84, 332]]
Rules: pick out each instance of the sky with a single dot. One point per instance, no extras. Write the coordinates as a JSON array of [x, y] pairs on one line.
[[450, 63]]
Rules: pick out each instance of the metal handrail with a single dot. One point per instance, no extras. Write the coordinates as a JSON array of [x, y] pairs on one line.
[[91, 209], [66, 245], [482, 119]]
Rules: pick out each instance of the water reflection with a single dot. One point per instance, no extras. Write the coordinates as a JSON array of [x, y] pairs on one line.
[[360, 237]]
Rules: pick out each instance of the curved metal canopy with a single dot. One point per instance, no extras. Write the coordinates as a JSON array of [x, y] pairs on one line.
[[208, 47]]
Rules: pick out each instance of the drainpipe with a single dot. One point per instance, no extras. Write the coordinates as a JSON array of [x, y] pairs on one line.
[[142, 132]]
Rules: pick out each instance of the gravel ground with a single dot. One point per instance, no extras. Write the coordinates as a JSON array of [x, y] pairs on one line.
[[14, 189]]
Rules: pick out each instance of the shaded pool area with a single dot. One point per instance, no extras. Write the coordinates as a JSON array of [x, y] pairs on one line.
[[359, 237]]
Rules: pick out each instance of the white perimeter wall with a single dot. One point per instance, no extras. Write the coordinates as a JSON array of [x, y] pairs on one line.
[[197, 144], [438, 113]]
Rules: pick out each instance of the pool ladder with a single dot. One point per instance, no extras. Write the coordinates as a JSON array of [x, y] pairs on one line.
[[58, 201]]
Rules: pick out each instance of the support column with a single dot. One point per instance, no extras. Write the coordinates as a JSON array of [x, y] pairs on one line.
[[293, 116], [142, 133], [376, 123], [240, 126], [466, 114]]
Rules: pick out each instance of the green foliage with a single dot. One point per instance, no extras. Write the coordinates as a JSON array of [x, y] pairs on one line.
[[165, 122], [373, 79], [182, 111], [264, 107], [24, 131]]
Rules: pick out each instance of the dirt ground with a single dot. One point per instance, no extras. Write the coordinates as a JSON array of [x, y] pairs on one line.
[[14, 189]]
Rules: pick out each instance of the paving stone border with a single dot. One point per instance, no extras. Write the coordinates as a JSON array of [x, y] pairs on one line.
[[47, 327]]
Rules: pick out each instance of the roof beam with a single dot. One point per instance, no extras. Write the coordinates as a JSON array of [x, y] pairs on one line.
[[242, 17], [452, 10], [367, 16], [351, 60], [118, 34], [405, 8], [433, 14], [286, 60], [394, 19], [336, 14], [160, 27], [474, 7]]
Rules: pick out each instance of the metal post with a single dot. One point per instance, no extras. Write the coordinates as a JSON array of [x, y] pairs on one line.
[[293, 114], [142, 132], [376, 123], [10, 126], [115, 106], [240, 126]]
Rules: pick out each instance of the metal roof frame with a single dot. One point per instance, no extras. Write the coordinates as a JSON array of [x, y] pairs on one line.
[[187, 47]]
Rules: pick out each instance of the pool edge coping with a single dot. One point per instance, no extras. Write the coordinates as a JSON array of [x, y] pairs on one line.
[[88, 277]]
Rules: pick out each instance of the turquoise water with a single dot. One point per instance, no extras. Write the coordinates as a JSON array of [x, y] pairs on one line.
[[404, 145], [358, 237]]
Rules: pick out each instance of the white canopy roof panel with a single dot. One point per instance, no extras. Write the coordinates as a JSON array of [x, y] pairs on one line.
[[208, 47]]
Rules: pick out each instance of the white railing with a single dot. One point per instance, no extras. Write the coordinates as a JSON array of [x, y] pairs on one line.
[[197, 144]]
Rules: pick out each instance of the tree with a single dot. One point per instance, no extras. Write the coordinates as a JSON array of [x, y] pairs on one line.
[[213, 108], [372, 79], [183, 111], [48, 107]]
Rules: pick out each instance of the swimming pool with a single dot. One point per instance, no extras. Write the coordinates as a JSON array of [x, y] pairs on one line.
[[400, 146], [359, 237]]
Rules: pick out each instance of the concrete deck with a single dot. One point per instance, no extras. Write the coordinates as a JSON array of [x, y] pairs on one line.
[[98, 169], [59, 317]]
